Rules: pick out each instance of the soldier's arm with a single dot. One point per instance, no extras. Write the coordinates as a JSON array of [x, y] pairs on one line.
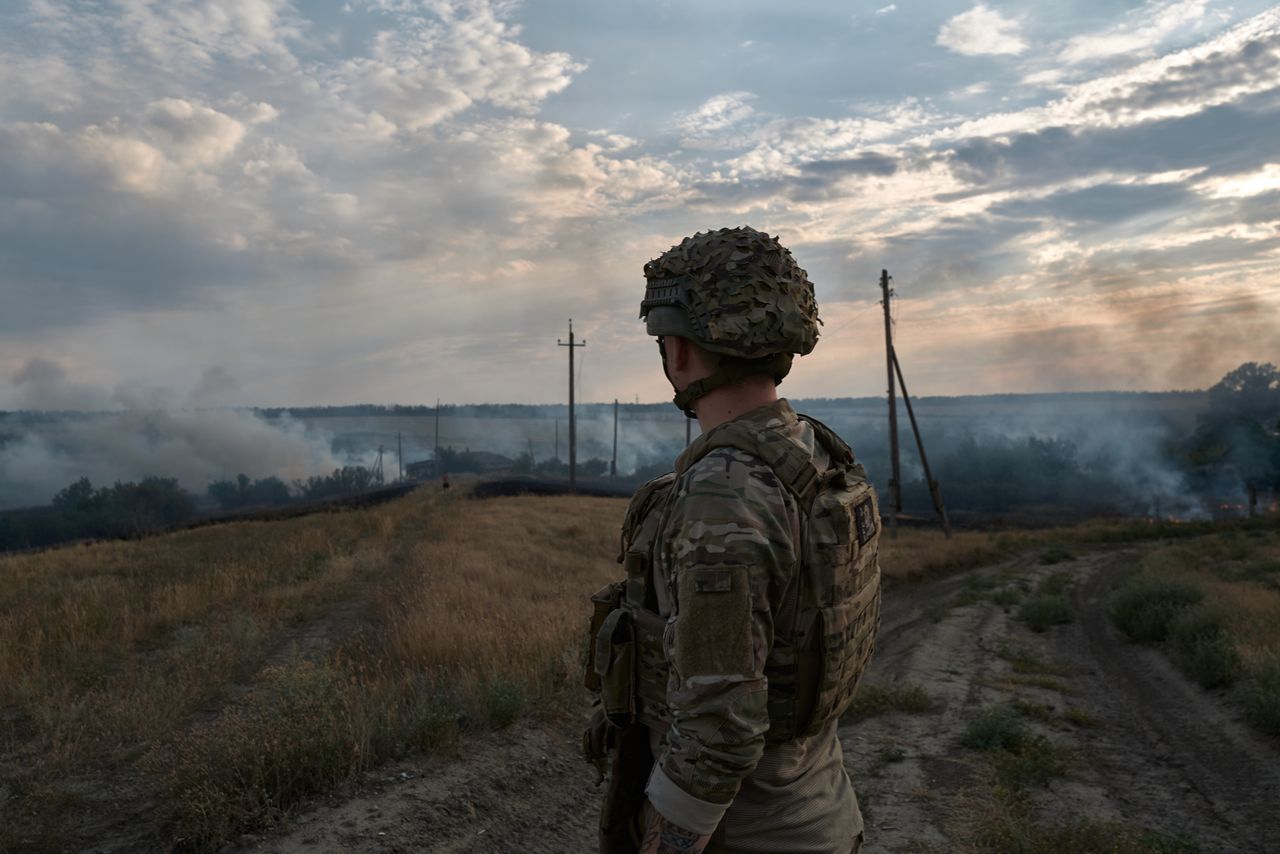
[[730, 533]]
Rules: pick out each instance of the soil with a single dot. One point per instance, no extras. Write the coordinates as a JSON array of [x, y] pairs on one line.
[[1149, 749]]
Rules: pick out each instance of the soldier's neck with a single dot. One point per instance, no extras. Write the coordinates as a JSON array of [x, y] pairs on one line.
[[728, 402]]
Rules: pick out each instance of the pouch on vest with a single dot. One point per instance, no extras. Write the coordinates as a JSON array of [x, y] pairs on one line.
[[615, 666], [603, 601], [847, 637]]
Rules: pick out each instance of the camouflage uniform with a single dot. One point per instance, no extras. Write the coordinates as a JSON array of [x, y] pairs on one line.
[[751, 601], [724, 555]]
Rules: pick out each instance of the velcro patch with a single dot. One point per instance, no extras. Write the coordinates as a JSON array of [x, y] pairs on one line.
[[864, 518], [712, 581]]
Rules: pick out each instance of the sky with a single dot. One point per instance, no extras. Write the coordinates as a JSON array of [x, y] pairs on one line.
[[259, 202]]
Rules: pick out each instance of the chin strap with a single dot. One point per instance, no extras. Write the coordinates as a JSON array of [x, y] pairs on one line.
[[730, 371]]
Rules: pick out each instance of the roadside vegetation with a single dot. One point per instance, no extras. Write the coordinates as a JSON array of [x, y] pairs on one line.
[[1213, 604]]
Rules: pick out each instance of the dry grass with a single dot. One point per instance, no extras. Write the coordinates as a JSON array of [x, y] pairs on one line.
[[227, 671]]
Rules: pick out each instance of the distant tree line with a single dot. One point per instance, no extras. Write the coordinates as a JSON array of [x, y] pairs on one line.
[[153, 504]]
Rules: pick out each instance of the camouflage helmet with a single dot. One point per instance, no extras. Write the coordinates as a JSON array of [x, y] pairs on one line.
[[735, 291]]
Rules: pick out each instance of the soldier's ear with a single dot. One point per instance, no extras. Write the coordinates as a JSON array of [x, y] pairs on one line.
[[679, 351]]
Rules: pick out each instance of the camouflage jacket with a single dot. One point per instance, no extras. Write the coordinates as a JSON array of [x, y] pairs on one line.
[[723, 550]]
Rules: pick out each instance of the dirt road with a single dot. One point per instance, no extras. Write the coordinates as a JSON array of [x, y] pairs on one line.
[[1139, 747]]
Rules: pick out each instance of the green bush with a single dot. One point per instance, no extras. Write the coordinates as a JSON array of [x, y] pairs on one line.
[[1262, 697], [504, 702], [1202, 647], [1021, 756], [1144, 608], [1054, 555], [998, 728], [873, 699], [1042, 612]]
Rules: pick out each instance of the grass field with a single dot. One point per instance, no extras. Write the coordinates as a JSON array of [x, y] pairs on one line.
[[227, 671], [210, 679]]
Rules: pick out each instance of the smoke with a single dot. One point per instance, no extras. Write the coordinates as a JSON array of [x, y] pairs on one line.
[[194, 446], [1112, 452], [142, 433]]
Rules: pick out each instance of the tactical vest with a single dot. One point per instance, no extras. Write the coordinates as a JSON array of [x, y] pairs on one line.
[[824, 626]]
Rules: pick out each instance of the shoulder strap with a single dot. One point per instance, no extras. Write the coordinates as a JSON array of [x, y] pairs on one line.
[[790, 464]]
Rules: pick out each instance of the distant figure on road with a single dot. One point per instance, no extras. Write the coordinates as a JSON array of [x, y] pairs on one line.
[[444, 481], [751, 602]]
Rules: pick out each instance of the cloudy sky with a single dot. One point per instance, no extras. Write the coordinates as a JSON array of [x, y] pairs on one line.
[[265, 202]]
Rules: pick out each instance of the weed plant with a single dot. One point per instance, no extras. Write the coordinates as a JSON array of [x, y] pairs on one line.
[[1042, 612], [1021, 757], [1145, 608], [875, 699]]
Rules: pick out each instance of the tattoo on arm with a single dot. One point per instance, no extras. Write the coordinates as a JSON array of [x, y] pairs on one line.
[[663, 837]]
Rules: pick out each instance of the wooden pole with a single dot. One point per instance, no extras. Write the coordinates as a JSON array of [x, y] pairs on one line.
[[934, 491], [895, 481], [573, 435], [613, 464]]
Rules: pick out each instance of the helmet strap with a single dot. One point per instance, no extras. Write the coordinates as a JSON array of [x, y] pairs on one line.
[[729, 371]]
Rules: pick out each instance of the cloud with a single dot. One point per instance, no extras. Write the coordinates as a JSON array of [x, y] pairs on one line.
[[430, 67], [1147, 28], [886, 10], [716, 114], [982, 31]]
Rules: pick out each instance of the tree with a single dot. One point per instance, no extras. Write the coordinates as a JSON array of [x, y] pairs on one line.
[[1240, 434], [1250, 391]]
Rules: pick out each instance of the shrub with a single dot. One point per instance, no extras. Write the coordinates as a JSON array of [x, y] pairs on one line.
[[1042, 612], [1022, 757], [1202, 647], [998, 728], [1056, 555], [1262, 697], [1144, 609], [504, 702], [872, 700]]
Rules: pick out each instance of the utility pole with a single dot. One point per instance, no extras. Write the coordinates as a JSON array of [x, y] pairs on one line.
[[400, 457], [377, 467], [895, 483], [573, 436], [557, 457], [436, 456], [895, 372], [613, 464]]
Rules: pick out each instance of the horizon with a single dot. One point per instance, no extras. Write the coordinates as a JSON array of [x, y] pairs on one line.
[[446, 405]]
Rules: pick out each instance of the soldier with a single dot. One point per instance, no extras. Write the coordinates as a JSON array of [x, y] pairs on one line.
[[751, 601]]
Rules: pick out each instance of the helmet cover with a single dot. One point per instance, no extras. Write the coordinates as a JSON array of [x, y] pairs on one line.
[[743, 292]]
